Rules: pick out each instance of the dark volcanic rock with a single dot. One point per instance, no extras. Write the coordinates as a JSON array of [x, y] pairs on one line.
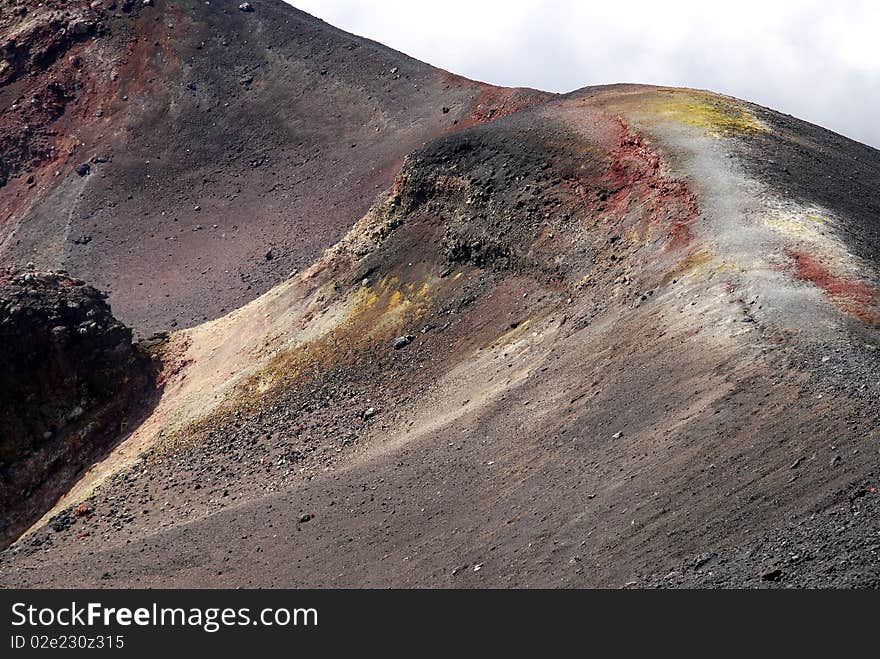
[[69, 378]]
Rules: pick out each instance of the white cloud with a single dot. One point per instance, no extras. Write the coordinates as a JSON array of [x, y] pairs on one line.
[[814, 59]]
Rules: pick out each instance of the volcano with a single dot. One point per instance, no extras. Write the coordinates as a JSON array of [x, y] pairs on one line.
[[377, 325]]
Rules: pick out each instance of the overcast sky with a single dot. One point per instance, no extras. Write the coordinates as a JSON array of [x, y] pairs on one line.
[[818, 60]]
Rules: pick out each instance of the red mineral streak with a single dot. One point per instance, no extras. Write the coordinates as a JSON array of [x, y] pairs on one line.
[[43, 135], [495, 102], [851, 296], [637, 176]]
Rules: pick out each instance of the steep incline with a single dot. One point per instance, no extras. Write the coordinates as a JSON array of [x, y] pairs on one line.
[[187, 156]]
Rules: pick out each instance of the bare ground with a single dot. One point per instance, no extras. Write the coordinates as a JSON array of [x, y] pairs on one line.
[[637, 352]]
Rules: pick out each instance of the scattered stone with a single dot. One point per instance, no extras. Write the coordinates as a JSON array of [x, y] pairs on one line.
[[796, 463], [617, 435], [402, 341], [369, 413], [270, 254], [62, 522], [84, 169], [245, 6], [772, 575], [305, 518]]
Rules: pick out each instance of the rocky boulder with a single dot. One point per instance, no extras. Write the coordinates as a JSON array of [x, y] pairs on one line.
[[70, 379]]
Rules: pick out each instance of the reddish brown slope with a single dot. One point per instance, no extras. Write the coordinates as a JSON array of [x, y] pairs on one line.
[[188, 156]]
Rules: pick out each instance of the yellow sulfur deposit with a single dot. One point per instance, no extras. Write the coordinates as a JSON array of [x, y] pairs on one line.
[[715, 115]]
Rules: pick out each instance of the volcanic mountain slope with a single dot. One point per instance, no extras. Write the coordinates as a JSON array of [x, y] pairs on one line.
[[628, 336]]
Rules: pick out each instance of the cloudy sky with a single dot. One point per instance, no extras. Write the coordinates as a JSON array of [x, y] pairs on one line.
[[818, 60]]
